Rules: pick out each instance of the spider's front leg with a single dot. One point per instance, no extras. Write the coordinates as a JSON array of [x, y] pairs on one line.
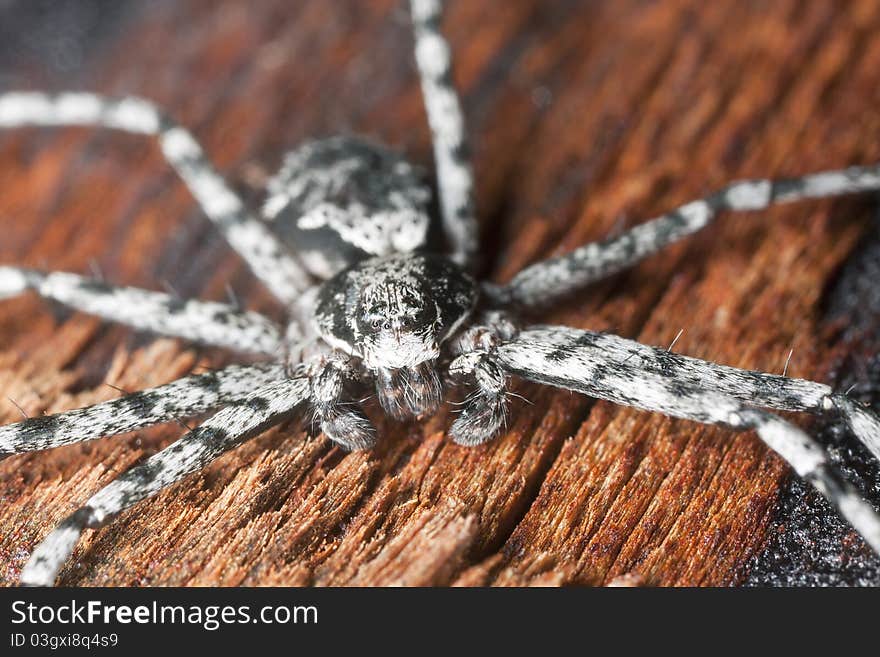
[[610, 367], [549, 280], [175, 401], [205, 322], [631, 374], [809, 461], [455, 179], [262, 409], [269, 259], [484, 412]]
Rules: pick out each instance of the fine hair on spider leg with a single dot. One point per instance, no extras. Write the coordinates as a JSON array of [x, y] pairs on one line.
[[372, 309], [259, 247], [455, 179], [257, 412], [603, 366], [171, 402], [550, 280], [205, 322]]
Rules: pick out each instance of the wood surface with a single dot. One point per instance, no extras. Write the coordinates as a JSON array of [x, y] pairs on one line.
[[586, 117]]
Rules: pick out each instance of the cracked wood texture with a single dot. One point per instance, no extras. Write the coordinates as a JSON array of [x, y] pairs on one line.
[[586, 117]]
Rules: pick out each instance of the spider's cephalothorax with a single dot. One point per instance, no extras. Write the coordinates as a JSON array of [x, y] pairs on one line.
[[389, 315], [393, 313]]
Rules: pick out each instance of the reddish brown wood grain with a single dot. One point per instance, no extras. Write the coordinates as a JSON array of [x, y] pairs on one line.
[[586, 117]]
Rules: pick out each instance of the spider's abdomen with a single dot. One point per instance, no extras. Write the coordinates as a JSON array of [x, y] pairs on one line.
[[394, 312], [340, 200]]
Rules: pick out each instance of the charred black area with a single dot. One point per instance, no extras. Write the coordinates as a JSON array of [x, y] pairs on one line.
[[810, 544]]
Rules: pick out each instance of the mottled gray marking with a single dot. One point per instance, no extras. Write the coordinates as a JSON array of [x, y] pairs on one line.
[[341, 200], [694, 390], [267, 406], [205, 322], [455, 179], [186, 397], [545, 282]]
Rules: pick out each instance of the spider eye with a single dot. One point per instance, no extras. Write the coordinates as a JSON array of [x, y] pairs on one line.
[[376, 323]]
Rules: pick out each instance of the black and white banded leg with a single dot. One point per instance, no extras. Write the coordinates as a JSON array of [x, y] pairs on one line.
[[455, 179], [549, 280], [261, 249], [205, 322], [810, 462], [610, 367], [231, 426], [631, 374], [176, 401]]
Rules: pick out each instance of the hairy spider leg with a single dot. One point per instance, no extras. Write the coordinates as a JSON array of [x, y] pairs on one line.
[[231, 426], [205, 322], [608, 366], [181, 399], [549, 280], [631, 374], [267, 257]]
